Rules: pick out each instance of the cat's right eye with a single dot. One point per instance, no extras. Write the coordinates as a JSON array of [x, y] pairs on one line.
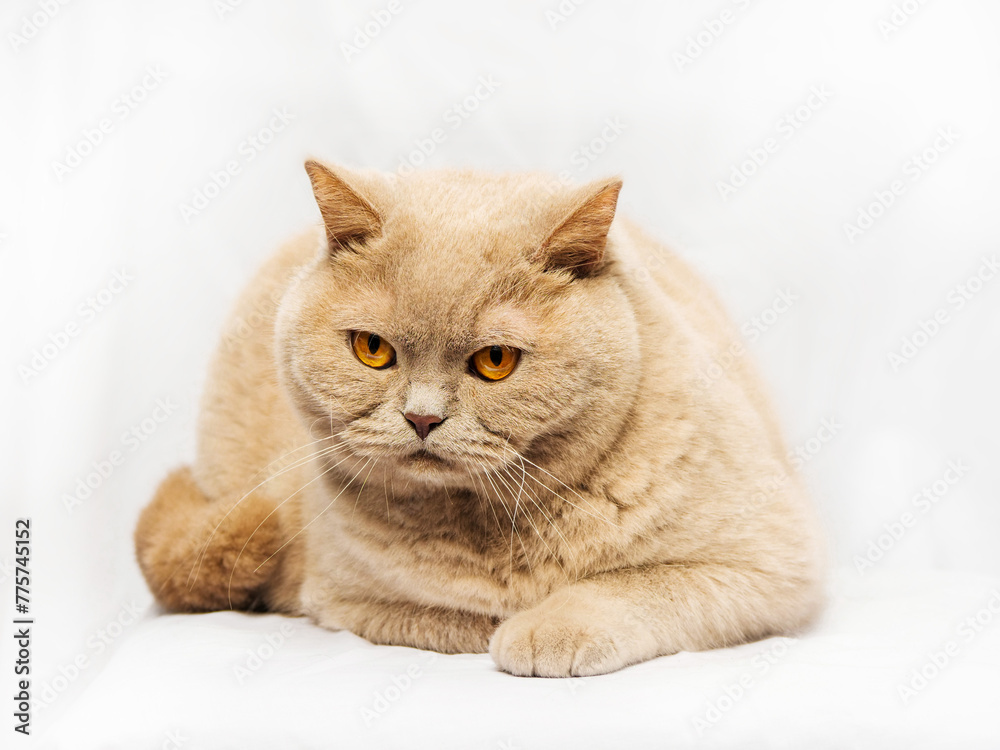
[[494, 362], [372, 349]]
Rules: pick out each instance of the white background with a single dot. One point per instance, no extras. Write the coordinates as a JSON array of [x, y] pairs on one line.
[[685, 126]]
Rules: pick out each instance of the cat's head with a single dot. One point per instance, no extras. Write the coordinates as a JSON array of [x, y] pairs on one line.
[[458, 321]]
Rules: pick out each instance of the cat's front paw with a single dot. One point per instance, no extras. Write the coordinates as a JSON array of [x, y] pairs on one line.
[[566, 641]]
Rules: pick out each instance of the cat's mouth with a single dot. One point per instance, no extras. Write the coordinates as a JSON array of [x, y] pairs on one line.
[[436, 461]]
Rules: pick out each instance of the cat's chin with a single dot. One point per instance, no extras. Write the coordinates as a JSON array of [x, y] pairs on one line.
[[426, 461], [427, 466]]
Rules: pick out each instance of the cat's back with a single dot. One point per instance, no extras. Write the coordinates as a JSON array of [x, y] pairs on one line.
[[712, 339], [248, 431], [689, 294]]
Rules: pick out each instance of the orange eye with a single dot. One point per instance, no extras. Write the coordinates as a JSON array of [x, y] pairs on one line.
[[372, 349], [495, 362]]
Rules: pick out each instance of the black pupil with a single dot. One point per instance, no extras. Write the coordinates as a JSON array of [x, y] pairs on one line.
[[374, 342], [496, 355]]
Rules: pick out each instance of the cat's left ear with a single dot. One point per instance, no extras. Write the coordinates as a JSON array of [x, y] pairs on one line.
[[347, 215], [577, 244]]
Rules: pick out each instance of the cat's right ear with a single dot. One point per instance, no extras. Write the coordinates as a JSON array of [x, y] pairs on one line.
[[577, 244], [347, 215]]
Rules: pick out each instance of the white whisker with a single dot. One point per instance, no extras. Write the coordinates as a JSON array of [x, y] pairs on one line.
[[513, 525], [196, 569], [329, 505], [274, 510], [595, 514]]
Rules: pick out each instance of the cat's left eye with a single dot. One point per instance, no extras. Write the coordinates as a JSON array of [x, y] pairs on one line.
[[495, 362], [372, 349]]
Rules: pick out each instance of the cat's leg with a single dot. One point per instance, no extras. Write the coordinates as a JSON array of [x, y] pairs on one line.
[[188, 544], [449, 631], [622, 617]]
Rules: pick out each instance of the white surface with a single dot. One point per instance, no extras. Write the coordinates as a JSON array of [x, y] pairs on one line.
[[826, 358], [836, 687]]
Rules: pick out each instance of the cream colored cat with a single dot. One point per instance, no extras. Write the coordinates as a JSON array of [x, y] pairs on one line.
[[470, 415]]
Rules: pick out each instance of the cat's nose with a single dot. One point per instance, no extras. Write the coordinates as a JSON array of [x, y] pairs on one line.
[[423, 423]]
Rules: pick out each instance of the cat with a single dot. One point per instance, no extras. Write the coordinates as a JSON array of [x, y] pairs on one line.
[[468, 413]]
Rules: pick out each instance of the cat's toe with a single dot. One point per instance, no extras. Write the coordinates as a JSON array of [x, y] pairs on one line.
[[597, 654], [530, 644], [511, 648]]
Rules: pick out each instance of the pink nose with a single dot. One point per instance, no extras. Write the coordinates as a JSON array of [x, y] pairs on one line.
[[423, 423]]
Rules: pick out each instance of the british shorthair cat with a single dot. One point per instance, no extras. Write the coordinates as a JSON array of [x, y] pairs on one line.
[[469, 415]]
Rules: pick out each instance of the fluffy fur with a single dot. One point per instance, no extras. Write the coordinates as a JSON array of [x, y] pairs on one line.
[[602, 505]]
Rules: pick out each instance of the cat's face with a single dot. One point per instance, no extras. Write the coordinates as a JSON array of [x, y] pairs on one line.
[[460, 322]]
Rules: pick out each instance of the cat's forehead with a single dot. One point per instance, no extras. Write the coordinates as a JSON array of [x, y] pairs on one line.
[[459, 301], [445, 319], [474, 203], [438, 296], [472, 187], [452, 264], [464, 248]]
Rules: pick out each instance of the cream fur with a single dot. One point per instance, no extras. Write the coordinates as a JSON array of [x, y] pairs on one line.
[[601, 506]]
